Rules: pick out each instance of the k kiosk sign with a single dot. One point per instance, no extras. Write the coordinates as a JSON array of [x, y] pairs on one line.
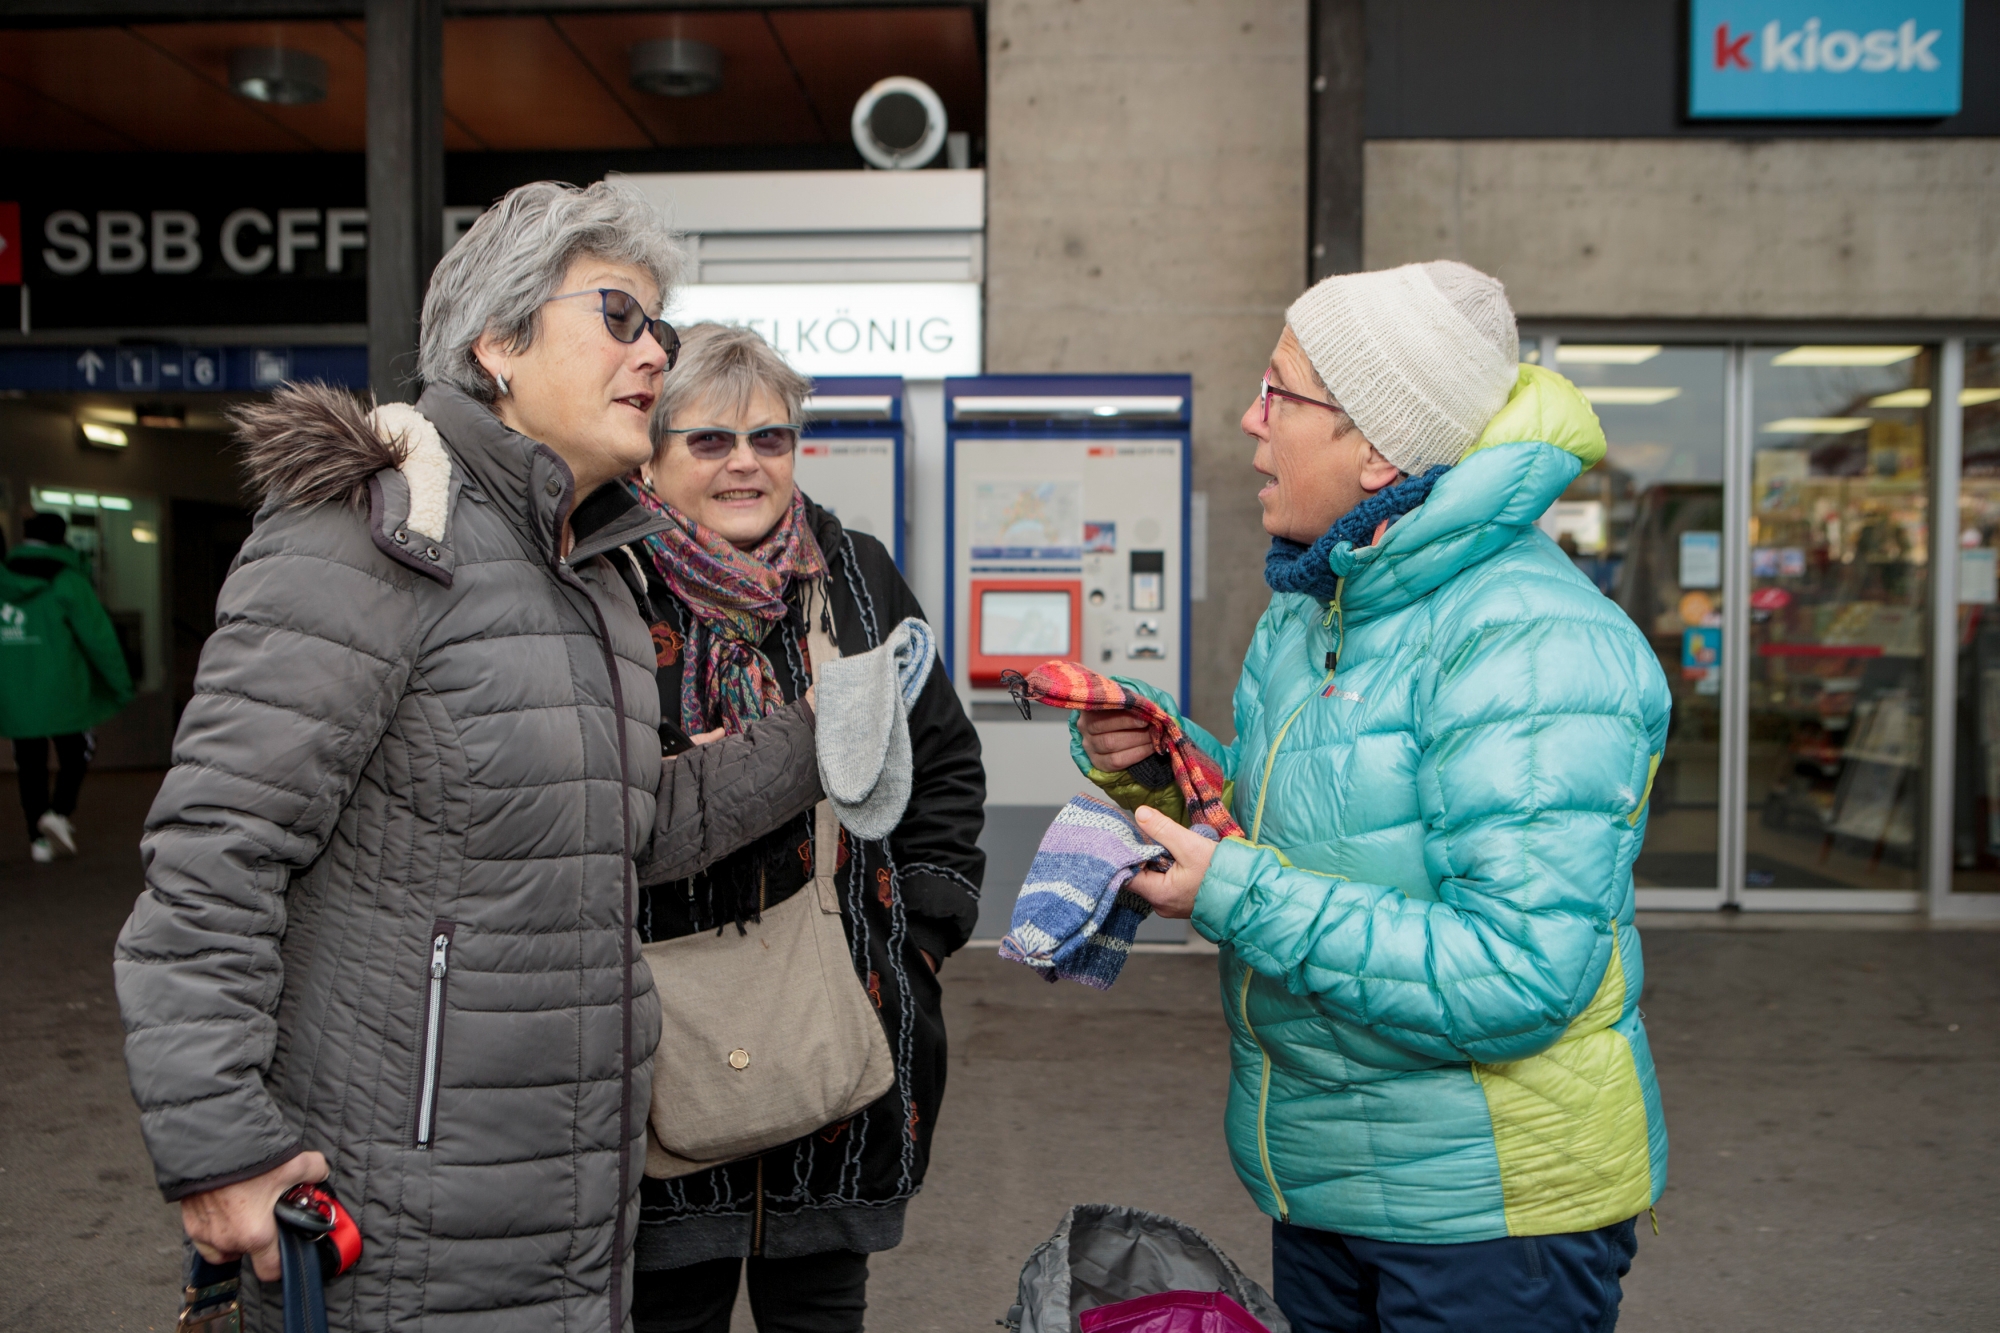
[[1825, 59]]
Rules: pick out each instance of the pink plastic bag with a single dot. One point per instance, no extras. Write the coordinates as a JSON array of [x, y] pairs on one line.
[[1172, 1312]]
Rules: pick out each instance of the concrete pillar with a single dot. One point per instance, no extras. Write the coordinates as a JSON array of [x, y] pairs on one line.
[[1339, 57], [405, 183], [1146, 188]]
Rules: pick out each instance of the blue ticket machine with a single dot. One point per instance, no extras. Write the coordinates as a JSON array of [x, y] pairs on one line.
[[851, 455], [1066, 536]]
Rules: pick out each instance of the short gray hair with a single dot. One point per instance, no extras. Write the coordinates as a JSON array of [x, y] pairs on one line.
[[728, 365], [497, 279]]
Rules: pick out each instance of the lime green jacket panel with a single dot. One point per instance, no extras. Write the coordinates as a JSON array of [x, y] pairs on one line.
[[61, 667]]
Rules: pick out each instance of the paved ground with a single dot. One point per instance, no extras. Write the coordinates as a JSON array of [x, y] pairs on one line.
[[1833, 1096]]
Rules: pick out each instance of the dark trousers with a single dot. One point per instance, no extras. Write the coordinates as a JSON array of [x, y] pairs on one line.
[[815, 1293], [1330, 1283], [31, 758]]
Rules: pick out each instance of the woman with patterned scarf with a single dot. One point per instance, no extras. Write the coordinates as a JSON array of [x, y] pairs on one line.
[[728, 583]]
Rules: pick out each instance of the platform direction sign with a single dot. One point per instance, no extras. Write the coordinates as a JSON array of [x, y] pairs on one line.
[[174, 370]]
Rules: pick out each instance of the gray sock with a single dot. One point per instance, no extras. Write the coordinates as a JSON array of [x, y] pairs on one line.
[[864, 729]]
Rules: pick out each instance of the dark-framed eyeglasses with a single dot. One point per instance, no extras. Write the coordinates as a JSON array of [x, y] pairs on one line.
[[709, 443], [1268, 391], [625, 319]]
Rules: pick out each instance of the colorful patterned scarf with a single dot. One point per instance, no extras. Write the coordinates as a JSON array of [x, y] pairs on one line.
[[736, 597], [1187, 765]]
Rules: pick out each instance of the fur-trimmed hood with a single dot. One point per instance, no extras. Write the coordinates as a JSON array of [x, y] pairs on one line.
[[312, 443]]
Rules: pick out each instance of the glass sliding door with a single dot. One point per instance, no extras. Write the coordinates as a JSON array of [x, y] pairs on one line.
[[1975, 827], [1647, 525], [1838, 664]]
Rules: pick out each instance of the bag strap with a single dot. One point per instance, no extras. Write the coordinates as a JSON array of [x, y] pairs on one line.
[[820, 648]]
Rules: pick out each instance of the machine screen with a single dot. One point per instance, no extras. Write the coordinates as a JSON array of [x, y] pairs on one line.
[[1024, 624]]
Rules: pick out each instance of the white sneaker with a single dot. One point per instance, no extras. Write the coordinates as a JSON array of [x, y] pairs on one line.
[[59, 830], [40, 852]]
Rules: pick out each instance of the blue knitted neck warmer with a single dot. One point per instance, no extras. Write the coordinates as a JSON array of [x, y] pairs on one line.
[[1291, 567]]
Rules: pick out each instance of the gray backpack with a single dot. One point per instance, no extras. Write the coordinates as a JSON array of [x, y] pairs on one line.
[[1103, 1254]]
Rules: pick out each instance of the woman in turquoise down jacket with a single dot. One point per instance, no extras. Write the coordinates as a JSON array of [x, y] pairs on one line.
[[1441, 1090]]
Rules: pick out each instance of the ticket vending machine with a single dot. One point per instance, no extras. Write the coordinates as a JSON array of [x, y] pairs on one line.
[[1066, 536], [851, 455]]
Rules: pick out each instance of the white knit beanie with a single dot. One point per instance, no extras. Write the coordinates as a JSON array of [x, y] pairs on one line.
[[1421, 356]]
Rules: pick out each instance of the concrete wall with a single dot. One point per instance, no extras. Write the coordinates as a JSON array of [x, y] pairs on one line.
[[1615, 228], [1146, 169]]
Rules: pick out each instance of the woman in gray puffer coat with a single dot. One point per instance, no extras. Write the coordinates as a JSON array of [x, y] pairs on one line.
[[388, 928]]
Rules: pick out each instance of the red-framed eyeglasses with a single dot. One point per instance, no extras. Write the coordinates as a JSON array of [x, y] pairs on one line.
[[1268, 391]]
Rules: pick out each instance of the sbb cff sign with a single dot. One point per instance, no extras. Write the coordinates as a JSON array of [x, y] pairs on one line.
[[133, 262], [1852, 59], [329, 242], [173, 241]]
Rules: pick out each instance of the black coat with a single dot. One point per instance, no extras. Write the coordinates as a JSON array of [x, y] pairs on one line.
[[914, 893]]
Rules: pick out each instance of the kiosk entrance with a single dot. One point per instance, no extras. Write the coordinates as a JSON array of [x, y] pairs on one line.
[[1066, 537]]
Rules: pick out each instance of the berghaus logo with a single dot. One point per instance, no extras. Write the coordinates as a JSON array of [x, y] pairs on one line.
[[1807, 49]]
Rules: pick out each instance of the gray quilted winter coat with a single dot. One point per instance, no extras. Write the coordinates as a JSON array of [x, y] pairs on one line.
[[390, 887]]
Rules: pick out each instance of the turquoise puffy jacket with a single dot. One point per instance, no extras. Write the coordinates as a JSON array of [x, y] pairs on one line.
[[1428, 959]]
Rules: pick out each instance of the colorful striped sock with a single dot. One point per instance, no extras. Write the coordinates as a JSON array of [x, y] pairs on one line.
[[1075, 918]]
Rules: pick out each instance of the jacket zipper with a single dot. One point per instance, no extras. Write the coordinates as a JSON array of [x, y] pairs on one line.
[[1263, 1097], [628, 890], [1271, 756], [433, 1032], [1243, 992]]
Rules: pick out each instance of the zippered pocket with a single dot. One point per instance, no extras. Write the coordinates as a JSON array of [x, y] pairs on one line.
[[1263, 1095], [432, 1051]]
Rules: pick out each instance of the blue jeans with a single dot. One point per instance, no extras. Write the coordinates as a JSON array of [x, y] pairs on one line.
[[1329, 1283]]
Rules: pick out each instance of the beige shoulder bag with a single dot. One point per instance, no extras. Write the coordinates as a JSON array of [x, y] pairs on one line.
[[765, 1035]]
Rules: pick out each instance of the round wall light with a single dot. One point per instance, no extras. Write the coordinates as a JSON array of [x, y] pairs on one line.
[[676, 67], [899, 124], [277, 74]]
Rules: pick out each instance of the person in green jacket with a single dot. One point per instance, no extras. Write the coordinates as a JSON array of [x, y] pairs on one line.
[[62, 672], [1446, 737]]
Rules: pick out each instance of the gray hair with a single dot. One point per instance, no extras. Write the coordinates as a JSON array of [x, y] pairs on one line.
[[497, 279], [728, 366]]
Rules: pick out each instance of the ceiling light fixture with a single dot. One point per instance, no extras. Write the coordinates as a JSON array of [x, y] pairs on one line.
[[1902, 398], [1844, 355], [1817, 425], [1922, 398], [676, 67], [103, 436], [1606, 354], [277, 74], [1623, 395]]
